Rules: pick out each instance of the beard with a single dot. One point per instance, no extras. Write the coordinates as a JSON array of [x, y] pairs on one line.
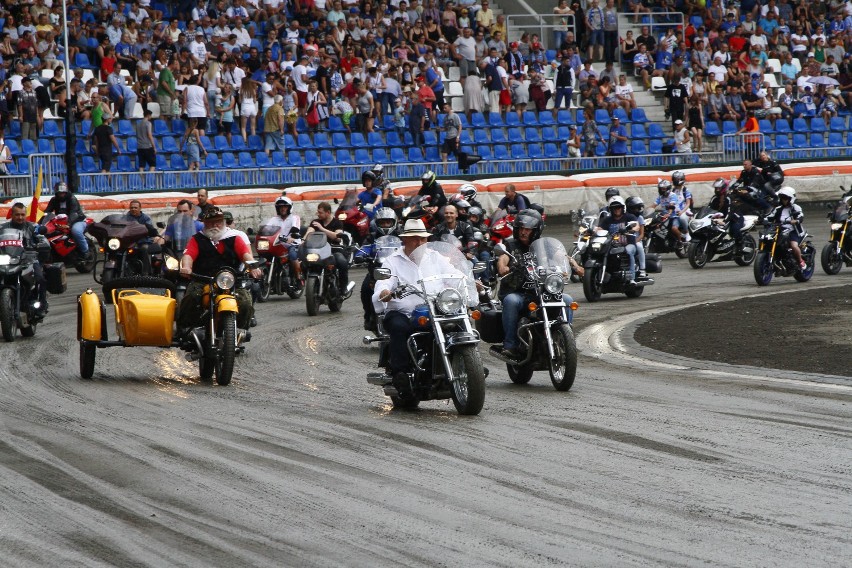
[[213, 233]]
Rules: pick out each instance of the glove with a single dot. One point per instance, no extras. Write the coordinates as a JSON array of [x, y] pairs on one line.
[[369, 207]]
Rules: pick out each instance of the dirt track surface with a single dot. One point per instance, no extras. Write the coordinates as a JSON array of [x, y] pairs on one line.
[[301, 463], [807, 330]]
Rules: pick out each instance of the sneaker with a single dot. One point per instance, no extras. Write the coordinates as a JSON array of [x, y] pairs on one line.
[[641, 274], [803, 265], [253, 322]]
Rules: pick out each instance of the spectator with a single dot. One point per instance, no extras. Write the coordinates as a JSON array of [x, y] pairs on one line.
[[643, 66], [573, 144], [594, 24], [318, 102], [453, 130], [418, 121], [273, 126], [105, 140], [735, 110], [195, 102], [166, 90], [146, 148], [629, 48], [225, 104], [624, 94], [610, 31], [192, 142], [787, 102], [472, 94], [617, 138], [248, 108], [364, 104], [682, 140], [28, 111], [564, 84], [591, 135]]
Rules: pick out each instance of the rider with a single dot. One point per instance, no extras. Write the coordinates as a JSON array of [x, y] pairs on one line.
[[476, 219], [63, 202], [288, 221], [636, 207], [184, 207], [527, 228], [754, 188], [452, 225], [135, 215], [790, 216], [771, 172], [615, 222], [669, 203], [432, 189], [371, 196], [468, 193], [608, 194], [461, 205], [383, 225], [32, 233], [229, 224], [333, 229], [206, 253], [680, 189], [512, 201]]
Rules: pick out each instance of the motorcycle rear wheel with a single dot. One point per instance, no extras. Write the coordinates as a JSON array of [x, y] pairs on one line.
[[697, 254], [563, 368], [762, 269], [468, 390], [591, 286], [87, 359], [746, 259], [7, 314], [831, 261], [312, 295], [224, 367], [520, 375]]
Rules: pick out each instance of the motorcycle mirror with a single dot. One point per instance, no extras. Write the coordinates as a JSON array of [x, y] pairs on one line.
[[479, 267], [336, 201], [161, 225], [477, 236], [381, 273], [500, 249], [252, 264], [632, 226]]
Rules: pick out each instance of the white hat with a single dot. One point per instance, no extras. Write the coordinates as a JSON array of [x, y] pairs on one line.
[[414, 228], [678, 121]]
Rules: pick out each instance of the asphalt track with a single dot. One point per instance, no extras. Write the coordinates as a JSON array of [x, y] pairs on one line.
[[650, 459]]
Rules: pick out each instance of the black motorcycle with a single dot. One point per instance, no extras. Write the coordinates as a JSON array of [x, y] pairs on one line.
[[607, 269], [18, 289], [838, 250], [546, 334], [322, 279], [443, 347], [775, 257], [659, 238], [712, 240], [118, 238], [372, 256]]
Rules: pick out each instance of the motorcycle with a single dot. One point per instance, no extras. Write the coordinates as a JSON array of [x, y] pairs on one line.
[[588, 222], [278, 277], [373, 255], [838, 250], [712, 241], [443, 347], [117, 239], [18, 288], [546, 332], [500, 227], [62, 244], [322, 279], [775, 257], [658, 236], [351, 213], [607, 269], [416, 209]]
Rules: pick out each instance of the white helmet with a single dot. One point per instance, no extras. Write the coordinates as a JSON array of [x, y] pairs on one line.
[[788, 192], [616, 201]]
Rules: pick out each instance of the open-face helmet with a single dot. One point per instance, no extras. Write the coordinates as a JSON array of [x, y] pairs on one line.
[[385, 221], [635, 205], [528, 219]]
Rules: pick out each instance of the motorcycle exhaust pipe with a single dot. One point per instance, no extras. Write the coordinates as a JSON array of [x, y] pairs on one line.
[[366, 340], [349, 288], [747, 250]]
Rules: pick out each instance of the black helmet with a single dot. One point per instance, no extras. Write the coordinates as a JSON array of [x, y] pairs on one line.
[[229, 217], [664, 187], [720, 186], [475, 212], [678, 179], [385, 221], [281, 202], [635, 205], [428, 178], [528, 219], [369, 175], [60, 187], [610, 193]]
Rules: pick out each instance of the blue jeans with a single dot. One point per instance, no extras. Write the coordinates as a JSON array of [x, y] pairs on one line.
[[485, 257], [513, 305], [558, 38], [640, 255], [631, 256], [77, 231], [563, 92], [399, 328]]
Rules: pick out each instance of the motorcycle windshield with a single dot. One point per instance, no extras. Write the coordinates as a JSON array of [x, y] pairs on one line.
[[269, 227], [386, 246], [841, 212], [705, 211], [443, 266], [181, 227], [551, 255], [11, 242], [451, 240], [350, 200], [317, 243], [588, 214]]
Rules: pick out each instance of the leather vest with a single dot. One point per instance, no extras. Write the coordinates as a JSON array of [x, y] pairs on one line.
[[210, 260]]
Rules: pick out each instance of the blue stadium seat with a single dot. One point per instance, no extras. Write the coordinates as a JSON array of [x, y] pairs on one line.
[[335, 124], [321, 141], [88, 165], [177, 163], [168, 145], [530, 119], [380, 155], [60, 145], [432, 154], [311, 158], [220, 143], [519, 152], [51, 129], [246, 160], [638, 115], [362, 156], [621, 114], [800, 141], [552, 151], [546, 119], [498, 136], [494, 119], [211, 162], [534, 151], [638, 147], [160, 128], [655, 130], [294, 158], [80, 148], [178, 127], [430, 138], [393, 139], [338, 140], [44, 146], [563, 133], [15, 129], [548, 134], [729, 127], [765, 126], [358, 140], [600, 149], [512, 119], [564, 116], [86, 127], [28, 146], [481, 136], [415, 155], [655, 146], [838, 124], [602, 116], [501, 152], [255, 142], [477, 120], [374, 139], [637, 131], [515, 136], [14, 148], [289, 141], [238, 144], [782, 141], [304, 141], [344, 157], [835, 139], [82, 60], [532, 134], [800, 125], [782, 126], [327, 158], [711, 129], [205, 143], [817, 139], [123, 164], [397, 156], [818, 125], [229, 160], [125, 129]]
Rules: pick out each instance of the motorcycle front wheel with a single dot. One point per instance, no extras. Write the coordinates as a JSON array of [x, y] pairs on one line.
[[831, 260], [265, 288], [697, 254], [336, 301], [107, 275], [762, 269], [807, 273], [746, 259], [227, 349], [591, 285], [563, 367], [520, 374], [468, 390], [7, 314], [312, 295], [87, 359]]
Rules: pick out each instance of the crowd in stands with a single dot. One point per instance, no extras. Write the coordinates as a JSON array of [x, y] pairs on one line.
[[275, 70]]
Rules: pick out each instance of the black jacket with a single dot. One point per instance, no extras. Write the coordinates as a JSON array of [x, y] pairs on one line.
[[69, 206]]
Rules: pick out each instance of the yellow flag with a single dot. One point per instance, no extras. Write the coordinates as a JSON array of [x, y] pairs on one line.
[[34, 213]]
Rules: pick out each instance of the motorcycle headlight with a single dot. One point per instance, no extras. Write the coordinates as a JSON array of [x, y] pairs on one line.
[[596, 246], [114, 244], [342, 216], [262, 245], [312, 257], [5, 259], [225, 280], [449, 302], [836, 226], [554, 284], [172, 263]]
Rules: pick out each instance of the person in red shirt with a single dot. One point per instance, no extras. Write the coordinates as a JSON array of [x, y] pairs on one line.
[[349, 60], [207, 252], [737, 41], [427, 97]]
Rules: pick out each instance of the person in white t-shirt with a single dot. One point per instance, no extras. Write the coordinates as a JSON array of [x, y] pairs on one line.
[[300, 79], [717, 71], [624, 94], [268, 92], [198, 49], [195, 101]]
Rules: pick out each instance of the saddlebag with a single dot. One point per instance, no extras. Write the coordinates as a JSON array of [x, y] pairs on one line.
[[490, 326], [653, 263], [55, 276]]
